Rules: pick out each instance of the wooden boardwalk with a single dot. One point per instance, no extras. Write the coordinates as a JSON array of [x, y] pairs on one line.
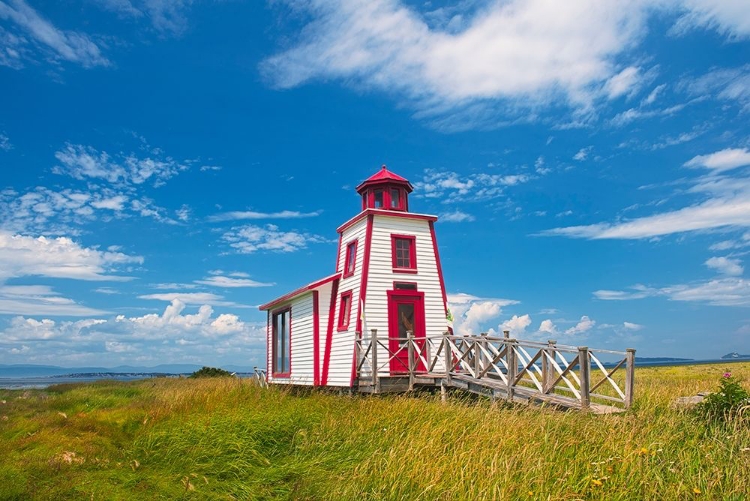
[[567, 377]]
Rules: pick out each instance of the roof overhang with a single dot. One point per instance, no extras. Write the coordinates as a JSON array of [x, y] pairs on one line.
[[298, 292]]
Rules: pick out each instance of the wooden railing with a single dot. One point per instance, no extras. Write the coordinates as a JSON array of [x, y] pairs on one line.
[[524, 369]]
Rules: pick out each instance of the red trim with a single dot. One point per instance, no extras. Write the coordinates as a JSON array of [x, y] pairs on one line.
[[353, 247], [381, 212], [316, 339], [343, 323], [384, 176], [298, 292], [412, 254], [278, 312], [269, 346], [439, 268], [363, 288], [329, 334]]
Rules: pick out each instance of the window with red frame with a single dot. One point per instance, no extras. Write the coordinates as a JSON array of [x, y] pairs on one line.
[[404, 253], [351, 259], [345, 310], [282, 342], [396, 198]]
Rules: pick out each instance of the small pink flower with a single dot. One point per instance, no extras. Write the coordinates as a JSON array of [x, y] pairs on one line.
[[727, 374]]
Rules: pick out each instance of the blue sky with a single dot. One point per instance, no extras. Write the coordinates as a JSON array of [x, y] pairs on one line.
[[169, 165]]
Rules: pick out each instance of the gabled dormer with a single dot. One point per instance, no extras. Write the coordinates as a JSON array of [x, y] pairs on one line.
[[385, 190]]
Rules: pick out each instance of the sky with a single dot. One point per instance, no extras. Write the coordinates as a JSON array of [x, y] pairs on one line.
[[169, 165]]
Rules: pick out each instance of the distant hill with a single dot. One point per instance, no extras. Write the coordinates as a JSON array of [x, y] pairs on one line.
[[30, 370], [734, 355], [660, 359]]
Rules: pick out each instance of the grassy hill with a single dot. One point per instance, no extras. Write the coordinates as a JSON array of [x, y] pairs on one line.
[[228, 439]]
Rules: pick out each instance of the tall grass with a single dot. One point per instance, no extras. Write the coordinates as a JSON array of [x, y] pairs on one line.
[[228, 439]]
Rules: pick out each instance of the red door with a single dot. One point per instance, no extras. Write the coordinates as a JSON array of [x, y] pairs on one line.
[[405, 313]]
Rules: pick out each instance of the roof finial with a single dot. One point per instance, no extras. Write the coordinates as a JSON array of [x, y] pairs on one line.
[[383, 167]]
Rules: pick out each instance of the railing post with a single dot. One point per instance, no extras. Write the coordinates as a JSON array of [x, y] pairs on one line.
[[506, 334], [374, 358], [478, 355], [585, 365], [410, 354], [629, 376], [448, 354], [512, 366], [547, 367]]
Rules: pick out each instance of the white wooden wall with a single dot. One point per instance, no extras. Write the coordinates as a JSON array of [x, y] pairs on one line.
[[302, 343], [342, 344]]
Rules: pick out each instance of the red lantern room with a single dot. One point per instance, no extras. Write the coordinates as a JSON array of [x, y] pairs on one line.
[[385, 190]]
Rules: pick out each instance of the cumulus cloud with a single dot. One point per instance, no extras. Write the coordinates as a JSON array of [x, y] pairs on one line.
[[584, 325], [548, 327], [58, 258], [252, 238], [200, 337], [725, 265], [516, 325], [471, 313], [632, 326], [31, 33], [456, 216]]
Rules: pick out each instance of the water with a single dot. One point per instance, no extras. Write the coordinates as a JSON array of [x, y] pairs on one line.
[[25, 383]]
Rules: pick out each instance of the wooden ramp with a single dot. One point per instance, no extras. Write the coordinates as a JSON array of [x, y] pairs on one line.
[[499, 368]]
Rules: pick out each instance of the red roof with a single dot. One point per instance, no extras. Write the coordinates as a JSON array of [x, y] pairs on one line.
[[297, 292], [384, 176]]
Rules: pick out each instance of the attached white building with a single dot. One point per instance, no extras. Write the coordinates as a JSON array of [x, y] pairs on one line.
[[388, 277]]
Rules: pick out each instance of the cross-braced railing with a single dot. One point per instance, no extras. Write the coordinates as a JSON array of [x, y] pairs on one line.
[[524, 369]]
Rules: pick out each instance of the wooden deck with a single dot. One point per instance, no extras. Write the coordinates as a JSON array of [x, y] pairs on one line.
[[500, 368]]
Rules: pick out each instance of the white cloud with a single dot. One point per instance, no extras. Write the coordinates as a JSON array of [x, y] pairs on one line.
[[84, 162], [725, 265], [728, 17], [166, 16], [721, 161], [40, 300], [5, 143], [625, 82], [251, 238], [183, 213], [229, 282], [731, 84], [651, 98], [59, 258], [32, 30], [285, 214], [631, 326], [584, 325], [548, 327], [456, 216], [471, 313], [205, 298], [725, 291], [452, 187], [583, 153], [516, 325]]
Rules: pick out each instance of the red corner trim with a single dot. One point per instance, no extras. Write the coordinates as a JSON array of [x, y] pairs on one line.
[[329, 334], [316, 339], [439, 266], [362, 291]]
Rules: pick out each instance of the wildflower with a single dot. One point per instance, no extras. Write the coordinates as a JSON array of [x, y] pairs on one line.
[[696, 490], [531, 493], [597, 483], [643, 451], [727, 374]]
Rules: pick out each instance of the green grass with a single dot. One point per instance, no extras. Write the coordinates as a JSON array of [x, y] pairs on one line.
[[228, 439]]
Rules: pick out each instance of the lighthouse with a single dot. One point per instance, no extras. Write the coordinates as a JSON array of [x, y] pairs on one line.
[[388, 279]]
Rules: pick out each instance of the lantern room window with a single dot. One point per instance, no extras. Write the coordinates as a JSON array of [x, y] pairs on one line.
[[404, 250], [378, 199], [395, 199], [351, 259]]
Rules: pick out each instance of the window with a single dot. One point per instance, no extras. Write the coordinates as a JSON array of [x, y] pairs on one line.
[[282, 342], [404, 286], [378, 199], [345, 310], [404, 253], [395, 198], [351, 259]]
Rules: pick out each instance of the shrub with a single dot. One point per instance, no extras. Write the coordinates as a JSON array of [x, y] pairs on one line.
[[727, 403], [210, 372]]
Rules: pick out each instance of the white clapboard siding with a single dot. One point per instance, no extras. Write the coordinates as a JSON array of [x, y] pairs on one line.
[[342, 343], [302, 342], [381, 277], [324, 305]]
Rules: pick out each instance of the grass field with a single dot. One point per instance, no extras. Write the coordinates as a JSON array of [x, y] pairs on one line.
[[228, 439]]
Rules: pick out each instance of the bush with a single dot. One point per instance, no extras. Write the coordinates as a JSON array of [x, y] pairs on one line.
[[210, 372], [727, 403]]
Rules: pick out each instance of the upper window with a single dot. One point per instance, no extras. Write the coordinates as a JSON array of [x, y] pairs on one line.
[[378, 199], [404, 253], [404, 286], [282, 342], [345, 310], [351, 259], [395, 198]]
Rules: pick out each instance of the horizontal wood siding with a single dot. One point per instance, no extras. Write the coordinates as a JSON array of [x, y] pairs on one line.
[[302, 343], [342, 343], [381, 278]]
